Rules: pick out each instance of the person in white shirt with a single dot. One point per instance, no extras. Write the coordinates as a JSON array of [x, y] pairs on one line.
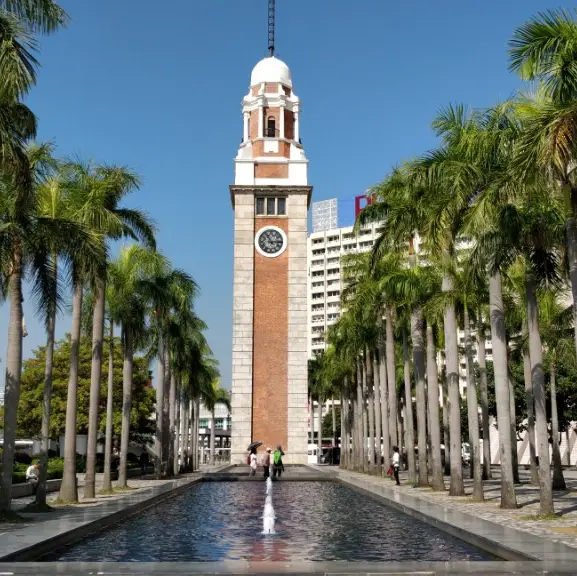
[[396, 463], [32, 475]]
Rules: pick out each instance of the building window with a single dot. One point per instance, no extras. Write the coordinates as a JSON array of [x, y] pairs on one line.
[[260, 205], [219, 423], [270, 207], [270, 127], [203, 423], [281, 206]]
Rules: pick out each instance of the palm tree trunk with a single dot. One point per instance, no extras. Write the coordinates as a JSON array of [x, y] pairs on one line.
[[184, 431], [391, 380], [370, 387], [571, 231], [537, 375], [159, 400], [419, 370], [530, 413], [400, 425], [69, 487], [558, 479], [352, 429], [446, 440], [343, 463], [364, 417], [13, 374], [434, 428], [473, 413], [95, 376], [457, 487], [166, 444], [381, 368], [172, 456], [498, 338], [484, 398], [513, 413], [409, 423], [195, 436], [334, 415], [106, 483], [312, 417], [126, 404], [46, 397], [212, 435], [378, 415], [361, 442], [320, 429], [176, 450]]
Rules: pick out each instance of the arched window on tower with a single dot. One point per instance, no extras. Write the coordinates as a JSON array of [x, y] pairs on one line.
[[271, 127]]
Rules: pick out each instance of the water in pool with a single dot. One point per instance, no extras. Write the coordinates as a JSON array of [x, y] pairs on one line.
[[319, 521]]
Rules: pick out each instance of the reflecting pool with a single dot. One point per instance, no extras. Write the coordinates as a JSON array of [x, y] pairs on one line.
[[319, 521]]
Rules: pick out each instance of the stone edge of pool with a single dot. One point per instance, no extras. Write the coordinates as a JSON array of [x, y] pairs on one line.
[[502, 541], [36, 540]]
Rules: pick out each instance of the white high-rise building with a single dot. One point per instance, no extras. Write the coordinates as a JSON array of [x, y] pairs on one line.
[[325, 275], [324, 252]]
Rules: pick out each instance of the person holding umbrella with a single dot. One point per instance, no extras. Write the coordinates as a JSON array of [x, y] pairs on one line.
[[252, 456]]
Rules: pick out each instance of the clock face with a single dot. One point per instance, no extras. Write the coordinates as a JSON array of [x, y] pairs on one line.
[[271, 241]]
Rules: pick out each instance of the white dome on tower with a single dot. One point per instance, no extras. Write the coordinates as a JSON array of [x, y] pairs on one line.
[[271, 69]]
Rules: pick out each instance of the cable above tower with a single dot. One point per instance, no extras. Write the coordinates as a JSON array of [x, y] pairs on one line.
[[271, 23]]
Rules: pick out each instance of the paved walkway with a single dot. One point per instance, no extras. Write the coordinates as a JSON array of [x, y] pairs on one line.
[[562, 530]]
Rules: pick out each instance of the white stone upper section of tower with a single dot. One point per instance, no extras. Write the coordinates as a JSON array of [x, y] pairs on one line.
[[271, 152], [271, 69]]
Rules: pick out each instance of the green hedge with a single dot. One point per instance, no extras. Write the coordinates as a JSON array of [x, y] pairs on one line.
[[56, 468]]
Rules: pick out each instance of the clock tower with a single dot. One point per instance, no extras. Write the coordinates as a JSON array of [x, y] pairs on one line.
[[270, 198]]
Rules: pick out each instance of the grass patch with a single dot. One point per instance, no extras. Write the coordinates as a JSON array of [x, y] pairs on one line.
[[540, 517], [10, 517], [106, 492], [572, 530], [123, 489], [59, 502]]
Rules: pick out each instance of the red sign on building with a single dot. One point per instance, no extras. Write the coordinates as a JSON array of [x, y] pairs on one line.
[[363, 201]]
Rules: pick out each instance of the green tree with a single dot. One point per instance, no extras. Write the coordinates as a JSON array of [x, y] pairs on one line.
[[30, 413], [328, 423]]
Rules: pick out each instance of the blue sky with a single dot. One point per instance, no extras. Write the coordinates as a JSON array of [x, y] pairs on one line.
[[157, 87]]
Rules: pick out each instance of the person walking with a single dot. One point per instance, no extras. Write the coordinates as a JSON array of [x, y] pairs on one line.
[[396, 464], [143, 461], [252, 462], [277, 467], [267, 464]]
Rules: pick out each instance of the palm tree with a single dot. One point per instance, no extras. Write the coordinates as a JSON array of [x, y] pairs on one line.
[[543, 49], [53, 205], [43, 16], [27, 242], [98, 193], [171, 292], [219, 396], [129, 303], [465, 176], [531, 231], [437, 481], [556, 324]]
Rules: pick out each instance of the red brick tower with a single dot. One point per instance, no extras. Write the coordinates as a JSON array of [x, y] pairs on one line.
[[270, 197]]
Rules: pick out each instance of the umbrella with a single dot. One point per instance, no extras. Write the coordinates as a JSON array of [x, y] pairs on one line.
[[254, 444]]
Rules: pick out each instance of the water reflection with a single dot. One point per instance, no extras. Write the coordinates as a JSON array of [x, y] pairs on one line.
[[314, 521]]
